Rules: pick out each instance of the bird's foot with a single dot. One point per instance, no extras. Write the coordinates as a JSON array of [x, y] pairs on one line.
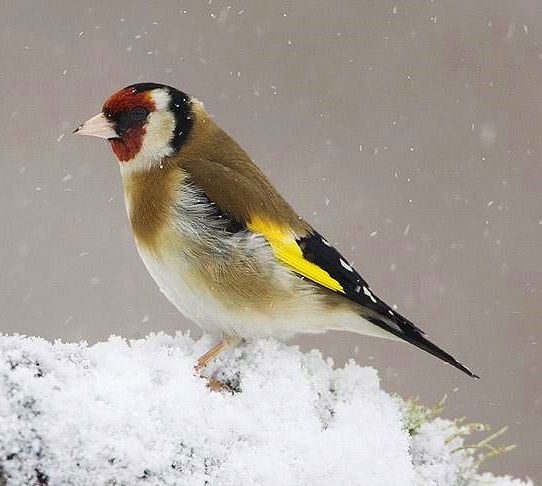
[[217, 386], [213, 383]]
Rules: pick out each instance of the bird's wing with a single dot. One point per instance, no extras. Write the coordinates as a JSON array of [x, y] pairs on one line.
[[314, 258], [249, 201]]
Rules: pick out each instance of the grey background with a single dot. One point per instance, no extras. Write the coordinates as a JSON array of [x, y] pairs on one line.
[[408, 133]]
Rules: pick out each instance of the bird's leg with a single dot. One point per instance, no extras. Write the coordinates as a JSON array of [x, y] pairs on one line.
[[213, 383], [204, 359]]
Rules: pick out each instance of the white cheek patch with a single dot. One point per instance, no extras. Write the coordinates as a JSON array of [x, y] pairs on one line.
[[156, 142], [159, 132], [161, 98]]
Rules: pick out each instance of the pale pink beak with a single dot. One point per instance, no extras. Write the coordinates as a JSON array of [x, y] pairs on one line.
[[97, 126]]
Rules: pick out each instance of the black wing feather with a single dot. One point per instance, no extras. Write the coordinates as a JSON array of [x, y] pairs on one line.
[[318, 251]]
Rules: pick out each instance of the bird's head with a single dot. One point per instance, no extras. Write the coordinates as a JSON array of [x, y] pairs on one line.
[[143, 122]]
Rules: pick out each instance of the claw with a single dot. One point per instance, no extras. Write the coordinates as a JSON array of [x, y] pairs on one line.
[[217, 386]]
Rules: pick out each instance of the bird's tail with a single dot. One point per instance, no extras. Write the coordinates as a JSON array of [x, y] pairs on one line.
[[405, 330]]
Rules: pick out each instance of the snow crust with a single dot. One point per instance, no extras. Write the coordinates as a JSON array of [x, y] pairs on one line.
[[134, 413]]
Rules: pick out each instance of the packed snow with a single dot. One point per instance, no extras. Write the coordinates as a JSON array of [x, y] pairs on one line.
[[135, 413]]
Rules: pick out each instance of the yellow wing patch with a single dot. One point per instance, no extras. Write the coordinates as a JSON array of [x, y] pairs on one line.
[[287, 250]]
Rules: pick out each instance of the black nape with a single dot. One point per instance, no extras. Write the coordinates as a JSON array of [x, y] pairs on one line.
[[181, 107]]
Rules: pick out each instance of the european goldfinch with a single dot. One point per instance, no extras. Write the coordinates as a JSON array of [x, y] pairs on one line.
[[221, 243]]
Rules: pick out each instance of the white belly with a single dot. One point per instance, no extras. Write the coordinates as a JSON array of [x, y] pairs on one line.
[[201, 306], [172, 280], [305, 314]]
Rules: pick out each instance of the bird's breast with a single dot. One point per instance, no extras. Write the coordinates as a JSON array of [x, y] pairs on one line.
[[150, 200]]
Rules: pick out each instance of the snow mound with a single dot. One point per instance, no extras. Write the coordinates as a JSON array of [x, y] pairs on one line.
[[134, 413]]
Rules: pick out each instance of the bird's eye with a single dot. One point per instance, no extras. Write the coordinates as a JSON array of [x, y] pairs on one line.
[[138, 113]]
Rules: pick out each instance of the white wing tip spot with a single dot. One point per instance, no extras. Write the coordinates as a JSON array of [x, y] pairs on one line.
[[325, 242], [345, 265], [357, 289], [369, 294]]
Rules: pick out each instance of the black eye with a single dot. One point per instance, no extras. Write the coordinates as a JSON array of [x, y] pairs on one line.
[[138, 113]]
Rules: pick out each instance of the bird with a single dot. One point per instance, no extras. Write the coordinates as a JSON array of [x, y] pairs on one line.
[[219, 240]]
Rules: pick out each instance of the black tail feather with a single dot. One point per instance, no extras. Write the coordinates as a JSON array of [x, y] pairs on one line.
[[421, 342], [407, 331]]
